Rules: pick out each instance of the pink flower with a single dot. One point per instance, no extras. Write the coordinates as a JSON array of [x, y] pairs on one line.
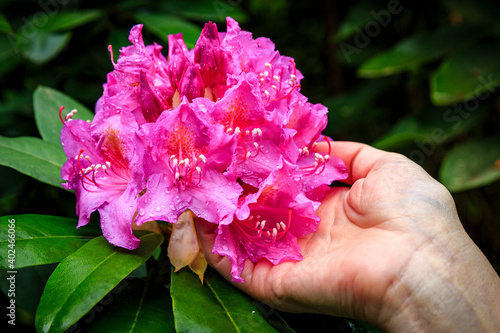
[[184, 157], [140, 82], [221, 130], [277, 75], [100, 168], [268, 221], [260, 142]]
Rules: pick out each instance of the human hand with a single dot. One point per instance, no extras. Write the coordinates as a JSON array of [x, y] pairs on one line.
[[384, 249]]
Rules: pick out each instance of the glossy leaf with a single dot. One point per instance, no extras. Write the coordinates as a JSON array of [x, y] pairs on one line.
[[70, 20], [45, 46], [133, 306], [214, 306], [42, 239], [416, 50], [85, 277], [4, 24], [471, 164], [163, 25], [466, 75], [33, 157], [434, 126], [46, 104]]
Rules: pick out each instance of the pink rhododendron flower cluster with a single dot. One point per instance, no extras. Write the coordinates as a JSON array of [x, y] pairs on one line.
[[221, 130]]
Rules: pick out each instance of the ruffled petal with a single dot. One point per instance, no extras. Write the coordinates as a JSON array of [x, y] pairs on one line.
[[116, 220], [161, 201], [229, 246], [215, 198]]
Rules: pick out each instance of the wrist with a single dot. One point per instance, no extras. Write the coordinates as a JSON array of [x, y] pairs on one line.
[[448, 285]]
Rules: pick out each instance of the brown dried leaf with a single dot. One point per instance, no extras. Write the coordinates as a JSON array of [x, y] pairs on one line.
[[148, 226], [183, 247], [199, 265]]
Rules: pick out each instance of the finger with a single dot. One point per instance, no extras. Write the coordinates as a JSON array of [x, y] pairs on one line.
[[359, 158], [206, 232]]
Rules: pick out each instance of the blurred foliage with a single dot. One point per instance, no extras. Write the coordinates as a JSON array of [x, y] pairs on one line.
[[419, 78]]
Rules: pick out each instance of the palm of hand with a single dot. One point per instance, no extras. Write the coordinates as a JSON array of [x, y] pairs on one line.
[[358, 251], [367, 235]]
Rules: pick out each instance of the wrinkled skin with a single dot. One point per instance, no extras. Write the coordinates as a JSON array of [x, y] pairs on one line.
[[385, 247]]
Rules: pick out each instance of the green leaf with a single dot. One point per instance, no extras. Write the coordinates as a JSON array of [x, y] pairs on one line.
[[359, 14], [85, 277], [163, 25], [134, 306], [46, 104], [33, 157], [466, 75], [44, 46], [4, 24], [471, 164], [42, 239], [206, 10], [70, 20], [351, 109], [215, 306], [434, 126], [418, 49]]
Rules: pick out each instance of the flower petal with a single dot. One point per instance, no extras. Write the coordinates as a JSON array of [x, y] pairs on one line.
[[116, 220]]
